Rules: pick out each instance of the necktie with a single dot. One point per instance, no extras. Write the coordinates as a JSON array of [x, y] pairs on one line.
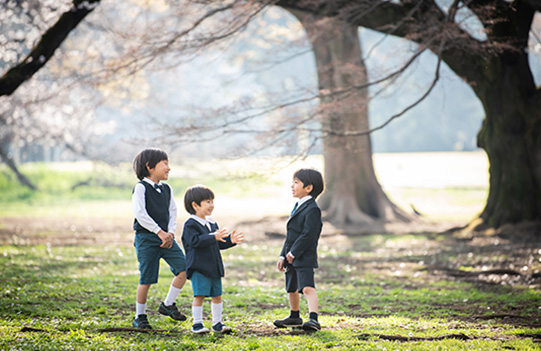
[[157, 187], [294, 208]]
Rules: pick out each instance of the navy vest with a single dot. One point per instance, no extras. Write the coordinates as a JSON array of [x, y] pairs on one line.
[[157, 206]]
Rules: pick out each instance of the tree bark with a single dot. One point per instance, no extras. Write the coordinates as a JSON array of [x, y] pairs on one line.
[[511, 137], [353, 195], [497, 70]]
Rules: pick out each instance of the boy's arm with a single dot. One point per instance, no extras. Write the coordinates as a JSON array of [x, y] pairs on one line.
[[226, 244], [309, 233], [172, 225], [194, 238]]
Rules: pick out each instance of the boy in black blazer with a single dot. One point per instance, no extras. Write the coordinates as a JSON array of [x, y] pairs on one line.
[[298, 257], [202, 242]]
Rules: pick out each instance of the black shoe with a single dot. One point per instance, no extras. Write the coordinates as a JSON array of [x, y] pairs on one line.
[[311, 325], [141, 322], [171, 311], [288, 322]]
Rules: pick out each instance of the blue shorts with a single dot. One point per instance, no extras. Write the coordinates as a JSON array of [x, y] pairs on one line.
[[149, 252], [206, 286]]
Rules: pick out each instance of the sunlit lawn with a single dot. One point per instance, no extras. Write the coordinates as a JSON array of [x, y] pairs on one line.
[[68, 271]]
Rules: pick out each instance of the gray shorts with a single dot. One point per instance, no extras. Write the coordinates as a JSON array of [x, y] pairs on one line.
[[298, 278]]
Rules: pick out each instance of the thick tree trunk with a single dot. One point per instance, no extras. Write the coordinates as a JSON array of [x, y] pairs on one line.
[[353, 194], [511, 136]]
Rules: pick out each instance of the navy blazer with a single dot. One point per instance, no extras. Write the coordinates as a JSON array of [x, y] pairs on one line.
[[303, 231], [203, 250]]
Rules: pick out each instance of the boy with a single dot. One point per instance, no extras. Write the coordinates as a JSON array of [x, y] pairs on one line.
[[299, 253], [202, 242], [155, 225]]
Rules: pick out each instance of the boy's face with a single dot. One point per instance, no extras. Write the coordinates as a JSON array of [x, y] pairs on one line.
[[299, 190], [205, 209], [160, 171]]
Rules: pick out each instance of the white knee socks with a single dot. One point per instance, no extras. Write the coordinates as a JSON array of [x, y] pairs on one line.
[[197, 314], [216, 312], [171, 295]]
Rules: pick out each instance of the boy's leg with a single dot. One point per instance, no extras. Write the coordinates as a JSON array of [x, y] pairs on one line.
[[141, 298], [311, 297], [295, 301], [176, 260], [217, 308], [197, 315], [147, 250], [140, 320], [174, 289], [201, 288], [294, 318], [306, 279], [168, 307]]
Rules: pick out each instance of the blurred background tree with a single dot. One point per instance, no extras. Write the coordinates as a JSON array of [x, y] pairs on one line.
[[485, 43]]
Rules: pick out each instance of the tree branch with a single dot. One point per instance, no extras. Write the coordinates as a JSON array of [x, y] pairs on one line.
[[44, 50]]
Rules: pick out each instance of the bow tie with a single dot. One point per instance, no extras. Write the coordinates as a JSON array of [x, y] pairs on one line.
[[157, 187]]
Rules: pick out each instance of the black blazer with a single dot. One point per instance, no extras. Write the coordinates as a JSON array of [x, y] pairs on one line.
[[303, 231], [203, 250]]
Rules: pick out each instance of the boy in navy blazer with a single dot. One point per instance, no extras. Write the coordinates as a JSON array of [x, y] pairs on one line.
[[202, 242], [298, 257]]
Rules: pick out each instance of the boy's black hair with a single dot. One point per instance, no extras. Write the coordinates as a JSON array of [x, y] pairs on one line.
[[148, 157], [196, 193], [310, 176]]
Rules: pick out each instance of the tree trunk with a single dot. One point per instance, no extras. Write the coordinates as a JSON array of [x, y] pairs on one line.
[[353, 195], [11, 164], [511, 136]]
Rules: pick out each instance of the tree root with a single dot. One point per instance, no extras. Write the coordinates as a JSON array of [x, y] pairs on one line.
[[367, 336], [461, 273], [502, 315], [109, 330]]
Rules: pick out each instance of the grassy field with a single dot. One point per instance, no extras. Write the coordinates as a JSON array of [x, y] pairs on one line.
[[69, 272]]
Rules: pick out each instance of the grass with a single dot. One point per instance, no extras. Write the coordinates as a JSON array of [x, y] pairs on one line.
[[69, 274], [72, 293]]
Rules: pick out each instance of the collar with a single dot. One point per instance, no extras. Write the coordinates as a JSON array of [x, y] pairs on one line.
[[146, 179], [303, 200], [202, 221]]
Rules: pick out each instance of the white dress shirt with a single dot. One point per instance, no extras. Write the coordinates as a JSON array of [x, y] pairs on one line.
[[205, 222]]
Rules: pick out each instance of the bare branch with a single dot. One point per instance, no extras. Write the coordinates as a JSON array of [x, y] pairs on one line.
[[44, 50], [395, 116]]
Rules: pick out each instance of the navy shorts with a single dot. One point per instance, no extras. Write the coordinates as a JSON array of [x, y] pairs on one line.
[[298, 278], [149, 253], [206, 286]]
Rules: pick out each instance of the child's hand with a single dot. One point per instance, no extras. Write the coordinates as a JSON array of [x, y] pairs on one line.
[[237, 238], [167, 239], [290, 258], [280, 265], [221, 234]]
